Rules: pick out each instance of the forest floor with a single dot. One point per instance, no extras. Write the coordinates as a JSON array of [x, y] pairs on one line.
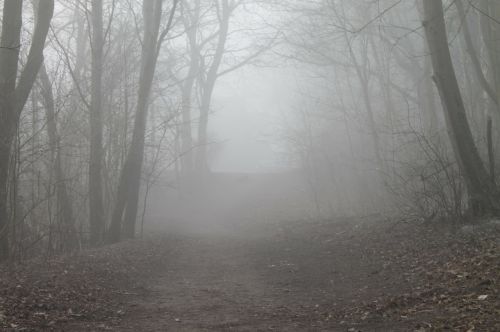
[[347, 275]]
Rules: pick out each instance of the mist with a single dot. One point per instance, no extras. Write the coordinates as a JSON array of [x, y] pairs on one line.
[[248, 165]]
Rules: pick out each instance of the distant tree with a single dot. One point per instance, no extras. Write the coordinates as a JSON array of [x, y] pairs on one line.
[[126, 206], [96, 209], [211, 55], [64, 212], [208, 78], [191, 21]]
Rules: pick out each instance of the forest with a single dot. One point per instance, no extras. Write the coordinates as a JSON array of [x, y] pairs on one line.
[[250, 165]]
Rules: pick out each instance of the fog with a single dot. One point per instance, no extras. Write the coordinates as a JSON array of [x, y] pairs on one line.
[[249, 165], [250, 107]]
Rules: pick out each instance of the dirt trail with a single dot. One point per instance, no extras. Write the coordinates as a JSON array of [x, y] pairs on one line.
[[347, 275], [211, 284], [282, 280]]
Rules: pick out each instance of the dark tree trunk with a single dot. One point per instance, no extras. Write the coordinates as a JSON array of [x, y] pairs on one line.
[[476, 64], [125, 210], [482, 193], [13, 97], [96, 210], [9, 54]]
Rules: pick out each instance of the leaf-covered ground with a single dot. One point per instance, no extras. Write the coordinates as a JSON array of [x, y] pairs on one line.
[[46, 294], [347, 275]]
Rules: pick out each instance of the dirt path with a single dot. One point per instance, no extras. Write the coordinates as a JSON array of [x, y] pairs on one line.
[[352, 275], [275, 281], [211, 285]]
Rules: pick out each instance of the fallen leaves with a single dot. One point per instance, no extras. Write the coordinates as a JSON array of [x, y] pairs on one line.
[[86, 286], [458, 283], [408, 276], [417, 277]]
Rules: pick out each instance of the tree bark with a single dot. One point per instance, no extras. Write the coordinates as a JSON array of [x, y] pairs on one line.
[[482, 194], [491, 34], [96, 210], [476, 64], [125, 210], [13, 97]]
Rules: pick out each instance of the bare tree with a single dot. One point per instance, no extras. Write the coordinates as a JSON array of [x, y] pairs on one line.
[[208, 79], [96, 212], [13, 92], [64, 213], [210, 57], [191, 20], [485, 85], [126, 206], [482, 192]]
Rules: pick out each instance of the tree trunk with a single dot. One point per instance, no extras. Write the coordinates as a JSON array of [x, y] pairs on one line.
[[476, 64], [186, 132], [68, 238], [365, 89], [191, 26], [201, 163], [9, 54], [13, 97], [491, 34], [96, 210], [125, 211], [482, 194], [208, 84]]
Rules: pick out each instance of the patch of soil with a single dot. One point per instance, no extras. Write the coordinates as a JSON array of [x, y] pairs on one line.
[[347, 275], [47, 294], [391, 276]]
